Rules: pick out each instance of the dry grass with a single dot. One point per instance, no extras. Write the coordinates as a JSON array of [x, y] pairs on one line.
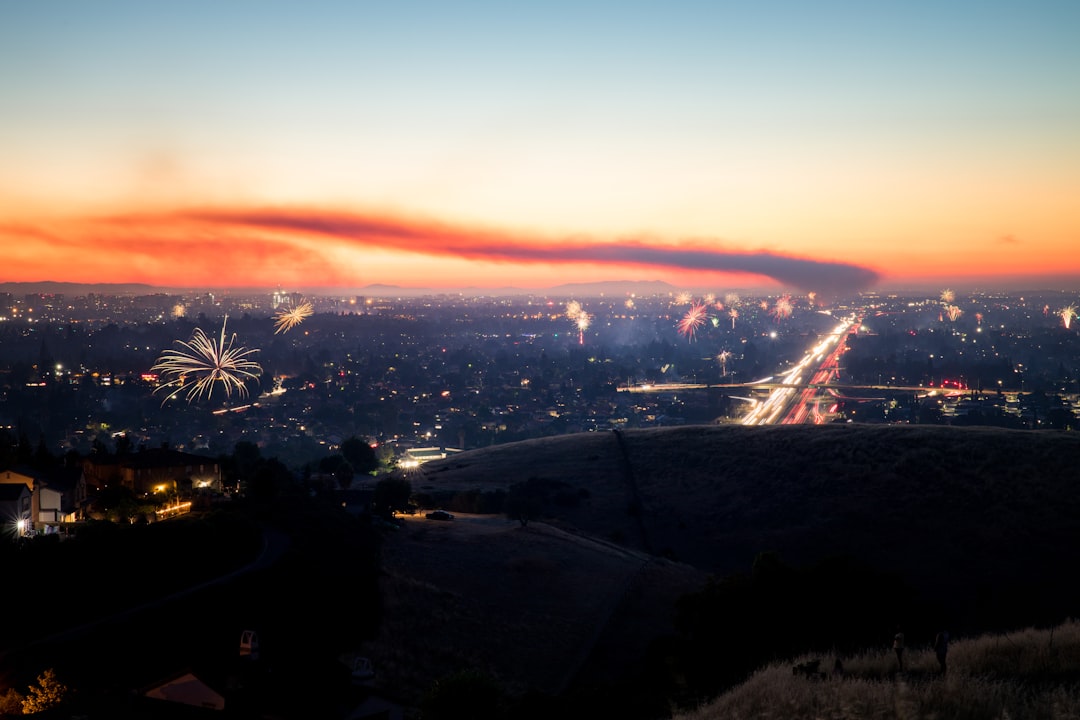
[[528, 606], [1028, 674]]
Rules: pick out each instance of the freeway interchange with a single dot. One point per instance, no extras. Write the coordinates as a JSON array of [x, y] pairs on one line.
[[797, 398]]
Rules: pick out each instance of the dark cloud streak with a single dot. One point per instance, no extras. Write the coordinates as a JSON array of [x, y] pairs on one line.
[[430, 238]]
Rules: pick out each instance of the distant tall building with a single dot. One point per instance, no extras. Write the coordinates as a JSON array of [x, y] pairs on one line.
[[288, 299]]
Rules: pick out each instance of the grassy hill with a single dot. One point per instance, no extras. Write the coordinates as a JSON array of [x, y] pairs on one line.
[[536, 607], [974, 524], [977, 520], [1031, 673]]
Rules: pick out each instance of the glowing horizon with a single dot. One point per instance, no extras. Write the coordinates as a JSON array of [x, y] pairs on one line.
[[710, 146]]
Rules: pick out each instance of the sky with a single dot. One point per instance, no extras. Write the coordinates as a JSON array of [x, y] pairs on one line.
[[811, 146]]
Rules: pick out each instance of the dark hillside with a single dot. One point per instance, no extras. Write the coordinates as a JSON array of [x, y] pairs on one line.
[[980, 520]]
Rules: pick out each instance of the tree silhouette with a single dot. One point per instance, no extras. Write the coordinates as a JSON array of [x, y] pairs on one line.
[[360, 454]]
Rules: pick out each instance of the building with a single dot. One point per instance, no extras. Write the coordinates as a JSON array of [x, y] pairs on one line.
[[156, 471], [57, 496], [15, 510]]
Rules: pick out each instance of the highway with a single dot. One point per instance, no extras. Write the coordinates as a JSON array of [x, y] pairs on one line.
[[795, 400], [797, 396]]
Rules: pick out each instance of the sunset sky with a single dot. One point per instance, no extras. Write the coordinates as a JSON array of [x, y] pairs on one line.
[[807, 145]]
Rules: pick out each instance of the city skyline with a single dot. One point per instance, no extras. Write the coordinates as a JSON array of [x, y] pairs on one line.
[[822, 149]]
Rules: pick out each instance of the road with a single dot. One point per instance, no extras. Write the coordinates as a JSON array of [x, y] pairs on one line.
[[797, 397]]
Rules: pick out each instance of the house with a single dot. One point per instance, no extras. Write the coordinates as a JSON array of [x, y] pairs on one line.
[[15, 515], [156, 470], [61, 498], [57, 496], [23, 476]]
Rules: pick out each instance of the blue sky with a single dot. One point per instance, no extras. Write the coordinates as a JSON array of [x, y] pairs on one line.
[[810, 129]]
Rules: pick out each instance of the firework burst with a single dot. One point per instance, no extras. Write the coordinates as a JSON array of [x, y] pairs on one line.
[[583, 321], [289, 317], [783, 308], [953, 312], [179, 310], [948, 296], [573, 310], [695, 317], [733, 314], [629, 303], [732, 298], [684, 298], [722, 358], [197, 365], [1067, 314]]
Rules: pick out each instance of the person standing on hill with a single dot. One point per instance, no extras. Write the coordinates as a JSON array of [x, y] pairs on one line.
[[898, 647], [941, 648]]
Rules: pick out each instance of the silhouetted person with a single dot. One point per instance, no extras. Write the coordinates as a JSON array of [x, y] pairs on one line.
[[898, 647], [941, 648]]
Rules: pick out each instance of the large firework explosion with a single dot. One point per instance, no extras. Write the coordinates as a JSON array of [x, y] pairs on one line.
[[288, 317], [693, 319], [947, 296], [684, 298], [197, 365], [953, 312]]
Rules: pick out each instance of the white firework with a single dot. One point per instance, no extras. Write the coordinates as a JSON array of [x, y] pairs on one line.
[[195, 367], [289, 317]]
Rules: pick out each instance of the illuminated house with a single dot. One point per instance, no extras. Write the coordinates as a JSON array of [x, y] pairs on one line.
[[56, 496], [61, 496], [24, 478], [14, 510], [158, 470]]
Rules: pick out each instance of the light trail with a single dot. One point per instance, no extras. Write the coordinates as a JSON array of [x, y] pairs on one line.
[[791, 402]]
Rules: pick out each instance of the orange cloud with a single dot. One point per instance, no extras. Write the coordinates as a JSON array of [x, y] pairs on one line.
[[238, 247]]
